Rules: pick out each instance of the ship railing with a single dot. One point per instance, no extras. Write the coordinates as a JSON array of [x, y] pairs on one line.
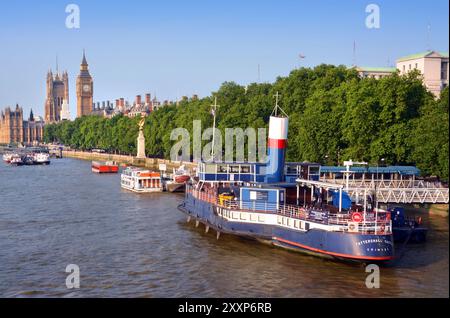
[[386, 183], [372, 223]]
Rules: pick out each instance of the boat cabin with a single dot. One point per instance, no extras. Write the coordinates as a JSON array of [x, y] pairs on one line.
[[303, 170]]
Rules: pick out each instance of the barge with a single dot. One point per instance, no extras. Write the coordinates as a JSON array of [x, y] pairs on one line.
[[104, 167]]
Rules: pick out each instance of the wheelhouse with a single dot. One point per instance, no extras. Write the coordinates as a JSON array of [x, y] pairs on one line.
[[302, 170]]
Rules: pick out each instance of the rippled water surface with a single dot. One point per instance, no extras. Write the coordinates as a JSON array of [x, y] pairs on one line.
[[131, 245]]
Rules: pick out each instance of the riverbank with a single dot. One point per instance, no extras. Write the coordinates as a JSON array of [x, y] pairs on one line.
[[129, 160]]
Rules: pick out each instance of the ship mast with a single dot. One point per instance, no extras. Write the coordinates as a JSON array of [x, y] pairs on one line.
[[277, 107], [213, 112]]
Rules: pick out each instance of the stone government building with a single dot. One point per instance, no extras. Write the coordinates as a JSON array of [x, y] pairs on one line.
[[13, 129]]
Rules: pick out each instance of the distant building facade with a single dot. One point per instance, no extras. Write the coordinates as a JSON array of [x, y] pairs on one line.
[[375, 72], [57, 92], [13, 129], [85, 89], [432, 65]]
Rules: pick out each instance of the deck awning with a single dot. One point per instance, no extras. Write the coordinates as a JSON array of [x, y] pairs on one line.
[[401, 170]]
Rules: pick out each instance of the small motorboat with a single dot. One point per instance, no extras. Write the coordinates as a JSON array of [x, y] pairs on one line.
[[104, 167], [178, 180], [407, 229], [181, 175]]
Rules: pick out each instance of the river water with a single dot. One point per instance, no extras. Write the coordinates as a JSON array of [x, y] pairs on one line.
[[134, 245]]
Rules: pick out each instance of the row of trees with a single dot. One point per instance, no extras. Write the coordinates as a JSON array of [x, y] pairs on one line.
[[334, 116]]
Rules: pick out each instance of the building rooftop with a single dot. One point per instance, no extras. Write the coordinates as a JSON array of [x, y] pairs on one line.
[[376, 69], [421, 55]]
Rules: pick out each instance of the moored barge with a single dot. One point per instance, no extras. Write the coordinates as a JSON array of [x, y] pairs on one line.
[[105, 167]]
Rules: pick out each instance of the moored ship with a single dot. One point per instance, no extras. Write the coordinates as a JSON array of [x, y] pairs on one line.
[[16, 160], [104, 167], [141, 180], [7, 157], [41, 158], [255, 200]]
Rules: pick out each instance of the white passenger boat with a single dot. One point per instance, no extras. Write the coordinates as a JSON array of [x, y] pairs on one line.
[[41, 158], [16, 160], [7, 157], [141, 180]]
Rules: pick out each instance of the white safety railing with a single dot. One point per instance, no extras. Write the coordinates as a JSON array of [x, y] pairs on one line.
[[371, 222]]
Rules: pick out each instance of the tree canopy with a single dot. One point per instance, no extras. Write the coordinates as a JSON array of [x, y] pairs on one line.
[[334, 115]]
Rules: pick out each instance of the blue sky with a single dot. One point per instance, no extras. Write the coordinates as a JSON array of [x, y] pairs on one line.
[[173, 48]]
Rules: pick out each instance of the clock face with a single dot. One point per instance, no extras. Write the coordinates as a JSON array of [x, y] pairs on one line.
[[86, 88]]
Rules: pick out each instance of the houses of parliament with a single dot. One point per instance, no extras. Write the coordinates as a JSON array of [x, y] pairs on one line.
[[13, 127]]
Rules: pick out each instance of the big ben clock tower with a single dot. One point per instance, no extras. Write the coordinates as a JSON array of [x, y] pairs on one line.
[[85, 90]]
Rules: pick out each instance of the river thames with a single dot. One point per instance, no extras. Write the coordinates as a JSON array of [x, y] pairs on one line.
[[134, 245]]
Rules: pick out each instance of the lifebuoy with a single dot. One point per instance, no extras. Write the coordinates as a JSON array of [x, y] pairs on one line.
[[357, 217]]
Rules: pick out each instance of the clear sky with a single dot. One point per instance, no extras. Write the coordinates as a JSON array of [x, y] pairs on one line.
[[173, 47]]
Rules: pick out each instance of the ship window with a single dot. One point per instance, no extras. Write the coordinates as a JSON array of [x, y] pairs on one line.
[[234, 169], [245, 169], [222, 168], [292, 170]]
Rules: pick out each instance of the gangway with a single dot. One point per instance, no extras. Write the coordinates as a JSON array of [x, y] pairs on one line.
[[396, 184]]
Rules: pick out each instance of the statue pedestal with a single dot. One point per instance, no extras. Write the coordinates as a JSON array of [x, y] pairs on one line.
[[141, 145]]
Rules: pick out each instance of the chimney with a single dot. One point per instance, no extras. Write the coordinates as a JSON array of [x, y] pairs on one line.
[[117, 103], [122, 102], [138, 99], [148, 99]]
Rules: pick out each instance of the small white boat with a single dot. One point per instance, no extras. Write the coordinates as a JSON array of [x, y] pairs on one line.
[[141, 180], [7, 157], [41, 158]]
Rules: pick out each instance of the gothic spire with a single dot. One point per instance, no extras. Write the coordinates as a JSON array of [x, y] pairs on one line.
[[84, 62]]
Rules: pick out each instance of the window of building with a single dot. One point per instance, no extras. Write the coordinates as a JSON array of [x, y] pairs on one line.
[[416, 66], [444, 70], [409, 66], [404, 68]]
